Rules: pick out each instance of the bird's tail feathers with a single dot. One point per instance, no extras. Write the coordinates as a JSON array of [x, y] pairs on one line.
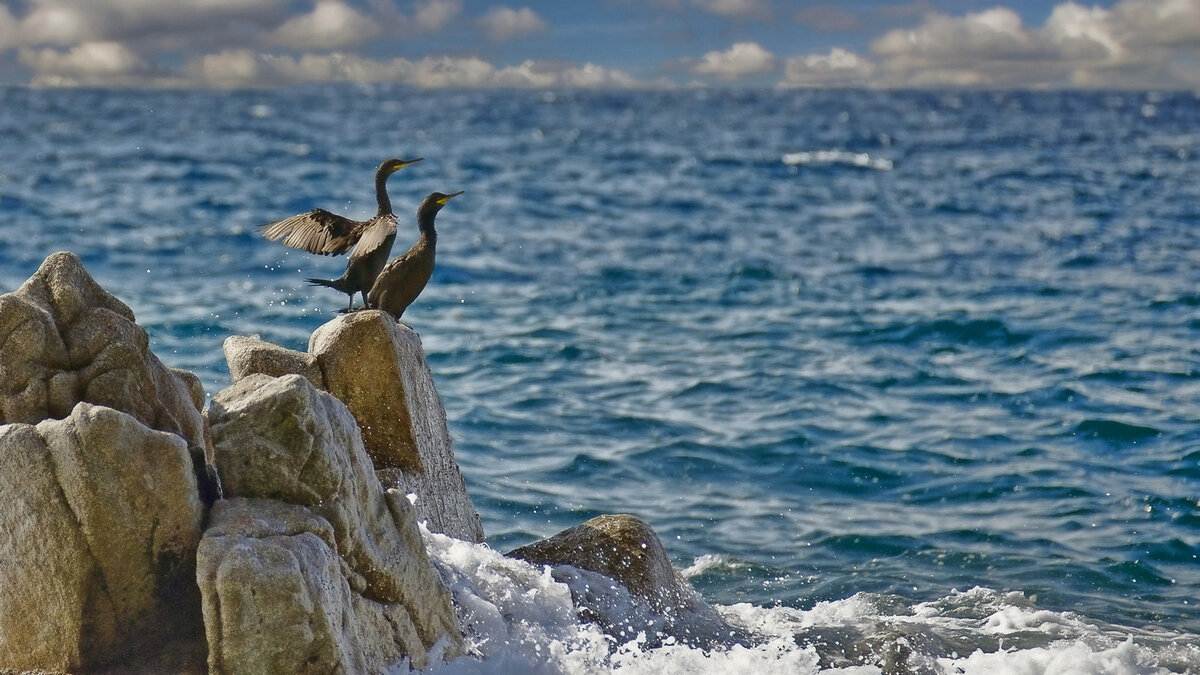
[[331, 283]]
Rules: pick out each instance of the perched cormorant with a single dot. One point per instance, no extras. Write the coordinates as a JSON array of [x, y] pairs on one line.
[[404, 277], [320, 231]]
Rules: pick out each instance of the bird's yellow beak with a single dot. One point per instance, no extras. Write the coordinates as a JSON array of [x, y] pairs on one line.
[[447, 198], [405, 162]]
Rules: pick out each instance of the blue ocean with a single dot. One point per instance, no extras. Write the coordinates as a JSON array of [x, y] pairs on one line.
[[870, 363]]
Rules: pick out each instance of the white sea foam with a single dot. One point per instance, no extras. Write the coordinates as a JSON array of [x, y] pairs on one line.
[[519, 618], [707, 562], [837, 157], [1018, 619], [1066, 658]]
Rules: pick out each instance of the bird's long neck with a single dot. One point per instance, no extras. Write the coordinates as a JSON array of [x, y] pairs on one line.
[[381, 195], [425, 223]]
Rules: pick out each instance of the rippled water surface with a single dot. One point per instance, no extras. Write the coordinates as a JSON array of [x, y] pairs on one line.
[[826, 343]]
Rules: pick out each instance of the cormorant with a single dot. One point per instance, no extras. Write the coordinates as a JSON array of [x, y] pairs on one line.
[[404, 277], [320, 231]]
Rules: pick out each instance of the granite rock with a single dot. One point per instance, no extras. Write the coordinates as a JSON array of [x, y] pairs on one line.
[[101, 519], [276, 597], [622, 547], [250, 355], [64, 339], [282, 439], [627, 551], [378, 369]]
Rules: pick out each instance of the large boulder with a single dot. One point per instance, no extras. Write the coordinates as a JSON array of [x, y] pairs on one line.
[[276, 597], [377, 368], [281, 440], [101, 518], [624, 549], [64, 339]]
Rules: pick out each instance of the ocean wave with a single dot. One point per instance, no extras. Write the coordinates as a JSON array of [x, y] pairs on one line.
[[1114, 431], [982, 332], [1061, 657], [710, 561], [519, 618]]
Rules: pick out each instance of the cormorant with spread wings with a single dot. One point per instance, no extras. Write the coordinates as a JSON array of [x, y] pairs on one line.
[[325, 233]]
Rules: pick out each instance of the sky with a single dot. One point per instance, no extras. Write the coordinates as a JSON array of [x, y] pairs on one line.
[[226, 44]]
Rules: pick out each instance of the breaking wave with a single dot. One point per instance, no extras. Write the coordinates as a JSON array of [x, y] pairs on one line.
[[518, 618]]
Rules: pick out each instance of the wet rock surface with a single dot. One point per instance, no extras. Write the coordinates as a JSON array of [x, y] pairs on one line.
[[377, 366], [309, 564], [622, 547], [621, 578]]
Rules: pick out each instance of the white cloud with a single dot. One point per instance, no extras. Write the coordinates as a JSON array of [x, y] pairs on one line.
[[230, 68], [1081, 32], [1132, 44], [990, 48], [242, 68], [1167, 23], [57, 25], [432, 16], [839, 68], [533, 74], [9, 31], [504, 23], [736, 9], [1138, 43], [592, 76], [154, 27], [744, 59], [67, 22], [419, 19], [993, 34], [331, 24], [88, 64]]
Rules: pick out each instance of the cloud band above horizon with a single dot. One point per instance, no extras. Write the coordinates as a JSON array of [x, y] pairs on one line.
[[1134, 44]]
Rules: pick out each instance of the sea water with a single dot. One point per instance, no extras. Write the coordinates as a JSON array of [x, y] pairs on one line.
[[885, 370]]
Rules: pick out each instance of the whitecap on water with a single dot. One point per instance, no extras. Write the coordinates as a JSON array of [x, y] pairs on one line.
[[707, 562], [837, 157], [519, 618], [1067, 658]]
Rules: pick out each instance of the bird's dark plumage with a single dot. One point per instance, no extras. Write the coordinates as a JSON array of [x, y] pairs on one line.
[[325, 233], [403, 279]]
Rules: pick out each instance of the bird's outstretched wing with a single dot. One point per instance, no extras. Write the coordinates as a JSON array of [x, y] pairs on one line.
[[317, 231], [376, 233]]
